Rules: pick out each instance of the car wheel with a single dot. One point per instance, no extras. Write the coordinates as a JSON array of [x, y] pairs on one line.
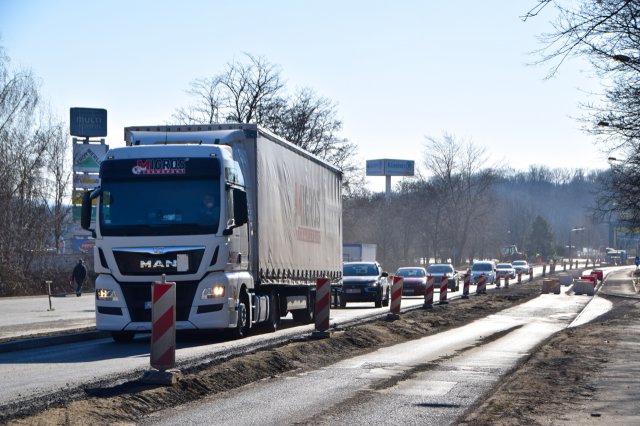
[[378, 302], [385, 301], [343, 300], [122, 336]]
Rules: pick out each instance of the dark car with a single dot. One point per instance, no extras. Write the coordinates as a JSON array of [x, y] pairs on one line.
[[364, 282], [414, 280], [444, 269]]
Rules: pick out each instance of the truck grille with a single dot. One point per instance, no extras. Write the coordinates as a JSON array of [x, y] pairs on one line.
[[144, 261], [137, 295]]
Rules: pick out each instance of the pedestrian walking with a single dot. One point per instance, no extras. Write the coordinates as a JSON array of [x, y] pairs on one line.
[[78, 276]]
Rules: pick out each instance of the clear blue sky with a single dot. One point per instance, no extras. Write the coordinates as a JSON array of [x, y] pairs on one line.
[[398, 70]]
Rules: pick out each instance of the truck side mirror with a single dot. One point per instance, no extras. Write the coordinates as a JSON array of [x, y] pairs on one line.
[[240, 209], [85, 214]]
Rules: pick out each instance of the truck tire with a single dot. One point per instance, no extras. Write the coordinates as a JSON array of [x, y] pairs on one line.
[[273, 322], [343, 300], [241, 329], [306, 316], [122, 336]]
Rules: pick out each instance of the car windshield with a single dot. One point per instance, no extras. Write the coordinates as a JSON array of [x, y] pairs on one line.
[[360, 270], [481, 267], [418, 272], [504, 266], [519, 263], [440, 269]]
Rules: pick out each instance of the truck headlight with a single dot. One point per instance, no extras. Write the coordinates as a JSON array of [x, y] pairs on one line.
[[106, 294], [213, 292]]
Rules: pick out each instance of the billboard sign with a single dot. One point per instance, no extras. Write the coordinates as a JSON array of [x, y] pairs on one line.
[[389, 167], [88, 122]]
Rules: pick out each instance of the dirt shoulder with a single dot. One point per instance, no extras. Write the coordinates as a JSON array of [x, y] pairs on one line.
[[581, 376]]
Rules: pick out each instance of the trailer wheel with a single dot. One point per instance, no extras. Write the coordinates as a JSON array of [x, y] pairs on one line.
[[273, 323], [343, 300], [306, 316], [122, 336]]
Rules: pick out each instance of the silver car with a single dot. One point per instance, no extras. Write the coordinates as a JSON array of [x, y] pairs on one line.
[[486, 268], [444, 269], [521, 267]]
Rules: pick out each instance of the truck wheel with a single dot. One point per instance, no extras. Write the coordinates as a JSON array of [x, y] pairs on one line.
[[122, 336], [306, 316], [273, 322], [241, 329], [343, 301]]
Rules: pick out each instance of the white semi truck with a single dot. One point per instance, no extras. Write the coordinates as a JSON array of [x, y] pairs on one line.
[[243, 221]]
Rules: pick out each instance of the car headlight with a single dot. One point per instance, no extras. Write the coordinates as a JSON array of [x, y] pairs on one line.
[[106, 294], [212, 292]]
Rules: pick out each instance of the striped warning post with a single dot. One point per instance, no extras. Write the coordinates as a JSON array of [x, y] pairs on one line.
[[428, 293], [530, 273], [520, 277], [444, 285], [396, 295], [466, 281], [497, 280], [506, 281], [481, 285], [163, 328], [323, 302]]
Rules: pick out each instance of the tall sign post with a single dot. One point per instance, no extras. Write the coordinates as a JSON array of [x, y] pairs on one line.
[[388, 167], [86, 124]]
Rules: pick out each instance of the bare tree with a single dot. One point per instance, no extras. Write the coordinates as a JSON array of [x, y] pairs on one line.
[[607, 33], [254, 91], [463, 180]]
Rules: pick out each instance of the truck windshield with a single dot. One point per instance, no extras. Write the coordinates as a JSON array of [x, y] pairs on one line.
[[169, 206]]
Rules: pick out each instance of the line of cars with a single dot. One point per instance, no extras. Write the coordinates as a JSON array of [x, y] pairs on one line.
[[367, 282]]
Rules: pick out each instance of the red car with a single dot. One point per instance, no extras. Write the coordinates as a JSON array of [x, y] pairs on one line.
[[414, 280]]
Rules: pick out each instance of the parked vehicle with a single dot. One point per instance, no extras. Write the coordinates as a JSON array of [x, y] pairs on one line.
[[240, 219], [414, 280], [486, 268], [364, 282], [505, 270], [437, 271], [521, 267]]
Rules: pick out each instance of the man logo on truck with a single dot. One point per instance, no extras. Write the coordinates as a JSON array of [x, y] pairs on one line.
[[146, 264]]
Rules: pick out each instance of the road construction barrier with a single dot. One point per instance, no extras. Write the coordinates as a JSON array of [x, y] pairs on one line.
[[506, 281], [428, 293], [519, 277], [466, 281], [565, 279], [599, 273], [481, 284], [497, 280], [584, 287], [530, 273], [163, 328], [396, 295], [544, 270], [444, 285], [564, 266], [323, 306], [550, 285]]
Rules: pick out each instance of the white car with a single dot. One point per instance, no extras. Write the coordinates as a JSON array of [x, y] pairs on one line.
[[505, 270], [521, 267], [486, 268]]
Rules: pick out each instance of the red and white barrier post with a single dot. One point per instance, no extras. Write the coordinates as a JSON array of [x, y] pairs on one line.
[[520, 277], [497, 280], [163, 332], [481, 284], [466, 281], [396, 298], [323, 305], [444, 286], [530, 273], [428, 293], [506, 281]]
